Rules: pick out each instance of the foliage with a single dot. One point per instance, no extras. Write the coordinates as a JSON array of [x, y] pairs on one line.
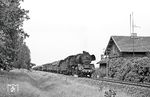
[[11, 30], [110, 93], [23, 57], [98, 73], [135, 69]]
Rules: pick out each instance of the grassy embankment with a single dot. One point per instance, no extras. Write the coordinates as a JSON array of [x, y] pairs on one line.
[[43, 84]]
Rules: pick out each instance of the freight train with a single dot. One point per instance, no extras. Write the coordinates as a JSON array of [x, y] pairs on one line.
[[79, 65]]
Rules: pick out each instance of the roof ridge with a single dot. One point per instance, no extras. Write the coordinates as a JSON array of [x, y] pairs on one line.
[[126, 36]]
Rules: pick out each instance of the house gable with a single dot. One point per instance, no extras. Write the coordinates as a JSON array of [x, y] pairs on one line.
[[112, 48]]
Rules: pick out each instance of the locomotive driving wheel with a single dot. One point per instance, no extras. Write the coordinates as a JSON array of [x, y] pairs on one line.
[[75, 71]]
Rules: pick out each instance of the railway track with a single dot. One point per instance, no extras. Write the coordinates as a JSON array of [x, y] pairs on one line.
[[146, 85]]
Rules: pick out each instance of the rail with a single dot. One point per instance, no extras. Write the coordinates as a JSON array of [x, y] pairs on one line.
[[147, 85]]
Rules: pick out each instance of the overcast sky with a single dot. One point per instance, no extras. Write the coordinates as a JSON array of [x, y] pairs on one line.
[[59, 28]]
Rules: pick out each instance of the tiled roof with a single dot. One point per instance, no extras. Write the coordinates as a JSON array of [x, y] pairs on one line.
[[126, 43]]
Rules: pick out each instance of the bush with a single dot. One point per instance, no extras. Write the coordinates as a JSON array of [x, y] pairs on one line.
[[99, 73], [130, 69]]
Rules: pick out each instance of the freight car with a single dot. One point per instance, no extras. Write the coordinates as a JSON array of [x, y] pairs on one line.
[[79, 65], [39, 68], [51, 67]]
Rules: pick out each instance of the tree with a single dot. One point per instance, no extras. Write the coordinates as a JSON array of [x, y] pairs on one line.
[[12, 37], [23, 57]]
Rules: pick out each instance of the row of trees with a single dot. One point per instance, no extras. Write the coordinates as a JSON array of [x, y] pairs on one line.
[[13, 50]]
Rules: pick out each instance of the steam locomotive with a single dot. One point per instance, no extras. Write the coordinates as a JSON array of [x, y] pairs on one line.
[[79, 65]]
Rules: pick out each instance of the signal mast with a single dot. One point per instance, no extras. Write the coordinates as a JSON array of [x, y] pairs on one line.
[[133, 34]]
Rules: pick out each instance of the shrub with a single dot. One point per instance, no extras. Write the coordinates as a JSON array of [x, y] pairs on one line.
[[135, 69]]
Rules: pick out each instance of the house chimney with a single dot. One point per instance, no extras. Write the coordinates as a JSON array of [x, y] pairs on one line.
[[133, 35]]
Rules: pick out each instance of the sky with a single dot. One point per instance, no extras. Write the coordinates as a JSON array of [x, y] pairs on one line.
[[59, 28]]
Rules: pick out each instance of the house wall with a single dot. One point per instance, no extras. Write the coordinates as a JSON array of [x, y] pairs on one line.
[[114, 52]]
